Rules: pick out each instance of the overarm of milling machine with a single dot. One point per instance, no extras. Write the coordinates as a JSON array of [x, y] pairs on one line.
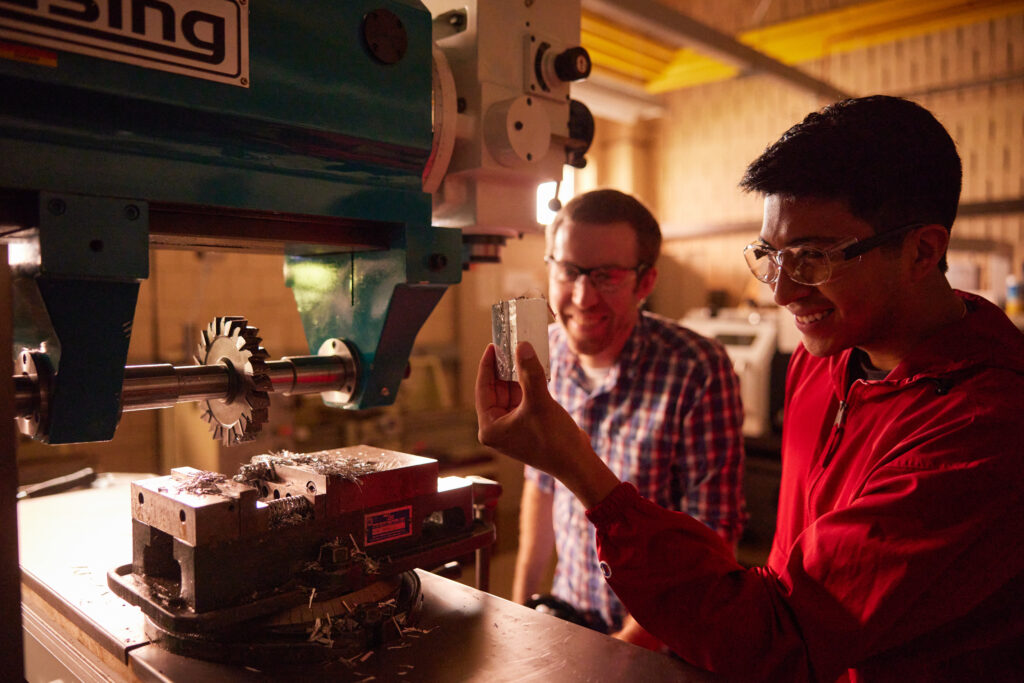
[[379, 146]]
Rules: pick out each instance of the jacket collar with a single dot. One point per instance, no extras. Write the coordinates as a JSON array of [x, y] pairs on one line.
[[985, 337]]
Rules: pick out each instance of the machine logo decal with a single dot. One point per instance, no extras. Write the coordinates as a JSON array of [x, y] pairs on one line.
[[387, 525], [200, 38], [27, 53]]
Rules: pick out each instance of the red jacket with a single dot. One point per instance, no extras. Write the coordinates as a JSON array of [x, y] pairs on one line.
[[899, 544]]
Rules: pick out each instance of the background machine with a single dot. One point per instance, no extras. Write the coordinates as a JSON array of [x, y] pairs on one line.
[[379, 145]]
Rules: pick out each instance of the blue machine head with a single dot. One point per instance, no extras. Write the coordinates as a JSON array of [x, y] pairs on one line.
[[327, 131]]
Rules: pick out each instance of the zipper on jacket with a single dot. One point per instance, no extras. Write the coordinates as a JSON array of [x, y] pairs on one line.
[[837, 434]]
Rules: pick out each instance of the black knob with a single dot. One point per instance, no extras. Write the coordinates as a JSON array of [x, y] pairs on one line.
[[573, 64], [581, 134], [438, 262], [385, 36]]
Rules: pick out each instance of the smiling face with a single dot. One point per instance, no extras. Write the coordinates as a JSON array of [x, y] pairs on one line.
[[860, 305], [597, 323]]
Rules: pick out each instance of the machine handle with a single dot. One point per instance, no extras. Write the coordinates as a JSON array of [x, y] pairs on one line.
[[82, 477]]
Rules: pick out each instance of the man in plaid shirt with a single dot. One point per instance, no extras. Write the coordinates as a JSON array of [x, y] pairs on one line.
[[661, 404]]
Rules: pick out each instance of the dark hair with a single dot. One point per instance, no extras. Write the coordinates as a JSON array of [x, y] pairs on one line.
[[888, 158], [611, 206]]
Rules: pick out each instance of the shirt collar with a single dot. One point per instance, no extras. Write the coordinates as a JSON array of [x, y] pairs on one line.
[[628, 358]]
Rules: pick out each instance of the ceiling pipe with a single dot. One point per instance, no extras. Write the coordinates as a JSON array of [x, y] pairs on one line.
[[672, 27]]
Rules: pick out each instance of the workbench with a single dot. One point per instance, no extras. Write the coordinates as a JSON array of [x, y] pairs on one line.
[[75, 627]]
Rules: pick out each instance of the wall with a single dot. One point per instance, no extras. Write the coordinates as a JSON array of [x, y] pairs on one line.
[[971, 77]]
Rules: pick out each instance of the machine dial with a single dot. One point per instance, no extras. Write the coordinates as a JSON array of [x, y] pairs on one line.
[[553, 69], [573, 64]]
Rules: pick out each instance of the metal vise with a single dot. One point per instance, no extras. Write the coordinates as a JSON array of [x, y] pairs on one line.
[[209, 551]]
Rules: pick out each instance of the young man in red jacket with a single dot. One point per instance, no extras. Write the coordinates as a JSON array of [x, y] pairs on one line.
[[899, 545]]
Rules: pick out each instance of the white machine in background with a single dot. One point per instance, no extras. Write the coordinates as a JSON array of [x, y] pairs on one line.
[[752, 339]]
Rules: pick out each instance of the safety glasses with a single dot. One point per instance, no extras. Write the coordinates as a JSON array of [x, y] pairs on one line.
[[603, 278], [810, 265]]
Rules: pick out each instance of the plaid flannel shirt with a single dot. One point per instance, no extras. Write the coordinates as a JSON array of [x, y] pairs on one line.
[[667, 418]]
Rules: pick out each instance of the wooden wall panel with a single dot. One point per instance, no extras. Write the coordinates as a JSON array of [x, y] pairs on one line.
[[971, 77], [190, 289], [624, 157], [708, 140]]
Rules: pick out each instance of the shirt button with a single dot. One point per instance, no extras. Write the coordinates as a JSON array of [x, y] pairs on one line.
[[605, 569]]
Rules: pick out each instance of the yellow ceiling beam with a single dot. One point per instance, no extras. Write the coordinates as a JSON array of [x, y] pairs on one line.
[[623, 55], [793, 42], [602, 46], [870, 24], [593, 27], [693, 68], [624, 67], [925, 23]]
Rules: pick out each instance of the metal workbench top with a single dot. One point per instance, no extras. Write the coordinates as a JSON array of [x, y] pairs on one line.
[[69, 541]]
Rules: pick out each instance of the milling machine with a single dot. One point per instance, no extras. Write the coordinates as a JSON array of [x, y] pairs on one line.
[[380, 146]]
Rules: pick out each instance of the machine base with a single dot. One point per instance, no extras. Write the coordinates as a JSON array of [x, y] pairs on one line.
[[340, 628]]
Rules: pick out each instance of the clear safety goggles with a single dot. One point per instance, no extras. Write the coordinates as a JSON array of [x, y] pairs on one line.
[[813, 265]]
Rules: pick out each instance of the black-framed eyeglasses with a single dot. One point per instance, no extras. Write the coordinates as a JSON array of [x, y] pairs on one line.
[[813, 266], [603, 278]]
